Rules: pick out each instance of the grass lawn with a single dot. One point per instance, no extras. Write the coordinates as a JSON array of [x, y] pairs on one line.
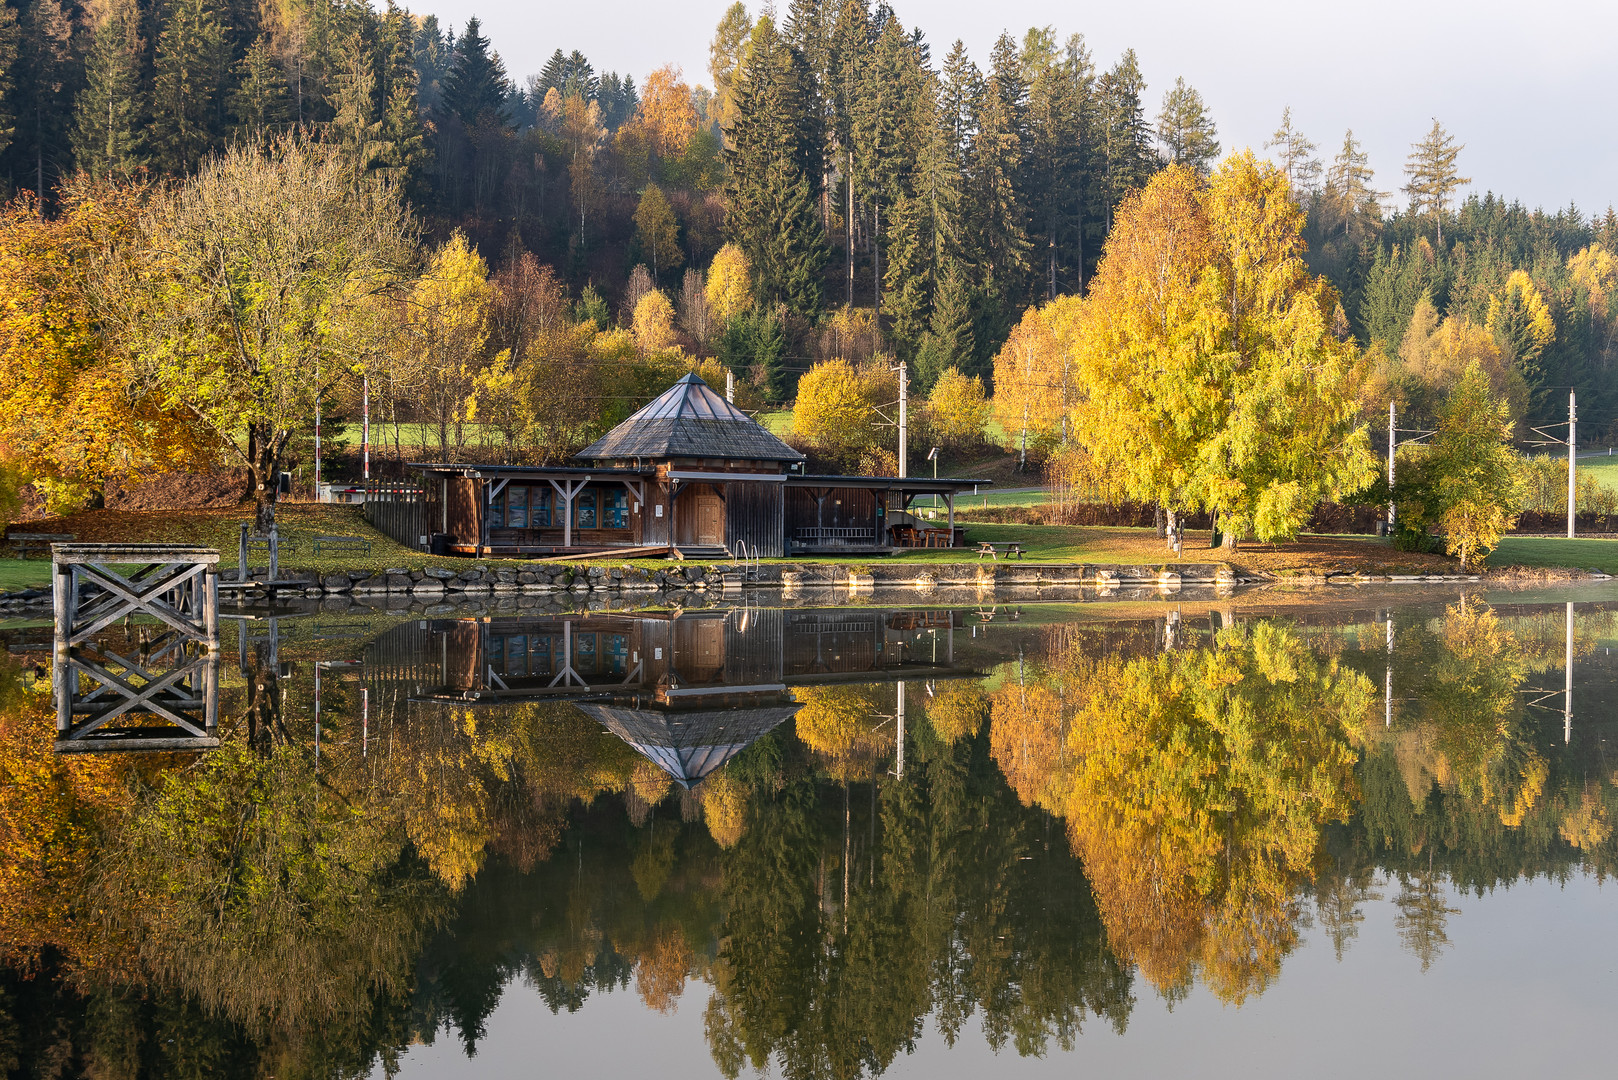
[[1604, 469], [18, 574], [1551, 552]]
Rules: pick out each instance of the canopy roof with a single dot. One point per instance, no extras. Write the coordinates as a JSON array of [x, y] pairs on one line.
[[689, 745], [689, 420]]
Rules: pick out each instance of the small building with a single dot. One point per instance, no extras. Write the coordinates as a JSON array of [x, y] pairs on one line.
[[689, 474]]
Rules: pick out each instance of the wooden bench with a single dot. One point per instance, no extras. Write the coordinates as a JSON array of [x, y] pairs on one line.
[[994, 551], [342, 543], [263, 542], [22, 543]]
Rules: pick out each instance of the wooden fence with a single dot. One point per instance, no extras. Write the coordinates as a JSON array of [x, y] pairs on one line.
[[409, 513]]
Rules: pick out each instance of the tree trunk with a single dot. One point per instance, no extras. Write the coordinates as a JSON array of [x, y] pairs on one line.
[[1230, 538], [264, 450], [1157, 519], [1214, 539], [1172, 530]]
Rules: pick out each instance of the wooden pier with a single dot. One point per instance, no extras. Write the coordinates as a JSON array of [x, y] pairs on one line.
[[167, 694]]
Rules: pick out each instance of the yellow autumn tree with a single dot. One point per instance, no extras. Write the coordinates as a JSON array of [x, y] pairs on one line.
[[1025, 736], [840, 724], [958, 408], [729, 289], [1028, 380], [958, 710], [654, 322], [1521, 322], [666, 111], [1212, 371], [657, 230], [834, 412], [72, 412]]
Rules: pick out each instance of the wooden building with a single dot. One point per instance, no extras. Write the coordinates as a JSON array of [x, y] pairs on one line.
[[689, 474]]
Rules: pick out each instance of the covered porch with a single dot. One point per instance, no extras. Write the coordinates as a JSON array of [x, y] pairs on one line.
[[860, 515]]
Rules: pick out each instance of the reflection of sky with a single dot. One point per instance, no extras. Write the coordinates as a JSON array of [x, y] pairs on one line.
[[1525, 989]]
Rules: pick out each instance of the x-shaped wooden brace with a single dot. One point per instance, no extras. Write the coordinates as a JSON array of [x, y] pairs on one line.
[[163, 695], [137, 594]]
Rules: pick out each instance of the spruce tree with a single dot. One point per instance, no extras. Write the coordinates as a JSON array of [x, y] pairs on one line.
[[1186, 129], [1297, 158], [404, 140], [108, 130], [192, 62], [886, 143], [8, 82], [355, 125], [1059, 169], [770, 183], [949, 341], [261, 103], [1126, 138], [47, 75], [998, 217], [477, 85]]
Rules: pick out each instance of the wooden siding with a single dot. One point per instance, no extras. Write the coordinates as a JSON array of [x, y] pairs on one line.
[[409, 513], [843, 509], [753, 515]]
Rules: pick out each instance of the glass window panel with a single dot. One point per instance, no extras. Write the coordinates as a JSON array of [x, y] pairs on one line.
[[517, 655], [584, 654], [497, 511], [516, 508], [539, 509], [617, 653], [541, 656], [584, 511], [615, 509]]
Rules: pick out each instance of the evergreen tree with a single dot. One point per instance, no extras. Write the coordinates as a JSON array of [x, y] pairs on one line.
[[1186, 129], [998, 218], [886, 142], [1352, 203], [1126, 138], [1433, 176], [404, 140], [948, 342], [193, 58], [8, 65], [355, 125], [433, 51], [108, 135], [476, 85], [47, 74], [1060, 110], [261, 103], [770, 187], [1297, 158]]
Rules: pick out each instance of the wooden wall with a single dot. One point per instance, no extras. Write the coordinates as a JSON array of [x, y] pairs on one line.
[[753, 514]]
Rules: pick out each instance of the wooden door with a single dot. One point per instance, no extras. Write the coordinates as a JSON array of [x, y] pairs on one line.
[[702, 517]]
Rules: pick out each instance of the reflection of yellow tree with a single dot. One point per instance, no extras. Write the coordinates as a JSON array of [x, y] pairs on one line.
[[840, 724], [1025, 736], [1198, 786], [958, 709], [660, 975], [724, 808]]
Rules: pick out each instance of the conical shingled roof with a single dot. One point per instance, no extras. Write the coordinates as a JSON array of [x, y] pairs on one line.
[[689, 420], [689, 745]]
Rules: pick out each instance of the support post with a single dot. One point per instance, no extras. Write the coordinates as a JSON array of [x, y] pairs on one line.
[[1387, 688], [210, 608], [1392, 447], [317, 431], [365, 426], [904, 419], [1567, 702], [275, 553], [1572, 467], [730, 387], [241, 555], [899, 716], [949, 501]]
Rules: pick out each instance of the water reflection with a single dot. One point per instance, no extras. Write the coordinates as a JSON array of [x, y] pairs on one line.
[[840, 829]]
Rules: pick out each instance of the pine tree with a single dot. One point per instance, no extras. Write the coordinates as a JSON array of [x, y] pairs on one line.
[[261, 103], [404, 153], [1433, 175], [476, 85], [8, 64], [998, 217], [108, 135], [1126, 139], [432, 51], [1297, 157], [355, 125], [949, 342], [772, 165], [193, 59], [886, 143], [1060, 110], [1186, 129], [1351, 200], [46, 75]]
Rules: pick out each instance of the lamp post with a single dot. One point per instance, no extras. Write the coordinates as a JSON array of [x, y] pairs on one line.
[[932, 456]]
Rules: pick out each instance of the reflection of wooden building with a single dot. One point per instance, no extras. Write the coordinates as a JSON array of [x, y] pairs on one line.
[[689, 691], [689, 471]]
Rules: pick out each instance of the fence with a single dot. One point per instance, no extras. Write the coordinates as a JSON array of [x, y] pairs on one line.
[[408, 513]]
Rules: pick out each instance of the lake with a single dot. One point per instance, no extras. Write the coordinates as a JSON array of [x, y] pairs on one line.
[[1272, 834]]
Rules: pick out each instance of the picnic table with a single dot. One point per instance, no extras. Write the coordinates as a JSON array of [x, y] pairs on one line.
[[22, 543], [994, 551], [342, 543]]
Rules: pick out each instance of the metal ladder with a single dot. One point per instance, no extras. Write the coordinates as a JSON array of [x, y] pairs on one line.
[[748, 564]]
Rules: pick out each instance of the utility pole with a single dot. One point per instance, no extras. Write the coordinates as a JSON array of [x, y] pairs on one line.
[[904, 419], [317, 430], [1567, 702], [1393, 444], [1572, 468], [365, 426]]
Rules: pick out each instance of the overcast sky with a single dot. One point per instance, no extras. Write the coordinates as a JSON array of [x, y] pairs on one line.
[[1531, 89]]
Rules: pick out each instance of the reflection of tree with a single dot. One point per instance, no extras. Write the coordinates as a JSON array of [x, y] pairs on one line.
[[1340, 893], [1423, 914], [1199, 783]]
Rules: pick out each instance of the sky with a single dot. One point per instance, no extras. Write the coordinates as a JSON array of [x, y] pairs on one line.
[[1529, 89]]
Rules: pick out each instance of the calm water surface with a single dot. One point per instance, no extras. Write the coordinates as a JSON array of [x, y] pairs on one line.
[[1264, 836]]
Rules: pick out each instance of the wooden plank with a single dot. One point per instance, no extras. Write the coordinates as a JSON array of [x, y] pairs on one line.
[[629, 553]]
